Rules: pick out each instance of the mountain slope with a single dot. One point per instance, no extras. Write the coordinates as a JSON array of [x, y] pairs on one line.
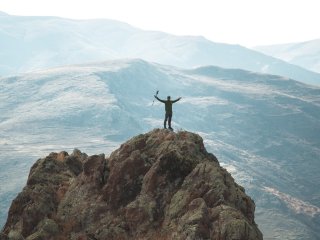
[[158, 185], [30, 43], [263, 128], [304, 54]]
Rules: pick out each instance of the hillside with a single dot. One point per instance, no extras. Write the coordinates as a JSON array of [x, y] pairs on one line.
[[33, 43], [264, 129], [304, 54]]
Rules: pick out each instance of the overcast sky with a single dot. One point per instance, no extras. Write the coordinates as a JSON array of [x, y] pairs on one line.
[[245, 22]]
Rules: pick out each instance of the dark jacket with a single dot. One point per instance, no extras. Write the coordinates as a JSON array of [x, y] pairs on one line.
[[168, 104]]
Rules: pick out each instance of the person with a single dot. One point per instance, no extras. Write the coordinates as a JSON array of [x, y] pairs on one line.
[[168, 106]]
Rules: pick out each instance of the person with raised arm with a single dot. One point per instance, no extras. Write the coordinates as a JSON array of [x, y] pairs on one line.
[[168, 107]]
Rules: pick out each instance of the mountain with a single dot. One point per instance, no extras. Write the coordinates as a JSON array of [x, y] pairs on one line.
[[304, 54], [158, 185], [264, 129], [3, 14], [31, 43]]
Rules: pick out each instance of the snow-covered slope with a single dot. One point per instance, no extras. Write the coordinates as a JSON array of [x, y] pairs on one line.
[[304, 54], [263, 128], [29, 43]]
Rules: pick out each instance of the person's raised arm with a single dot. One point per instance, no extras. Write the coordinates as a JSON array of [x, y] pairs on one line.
[[176, 100], [159, 99]]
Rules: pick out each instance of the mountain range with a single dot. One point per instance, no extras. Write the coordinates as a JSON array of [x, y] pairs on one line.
[[33, 43], [304, 54], [264, 129]]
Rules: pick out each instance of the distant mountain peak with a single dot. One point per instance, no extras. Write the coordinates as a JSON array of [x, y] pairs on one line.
[[43, 42], [158, 185], [305, 54], [3, 14]]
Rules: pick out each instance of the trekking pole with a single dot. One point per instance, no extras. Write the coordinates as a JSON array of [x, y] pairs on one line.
[[156, 95]]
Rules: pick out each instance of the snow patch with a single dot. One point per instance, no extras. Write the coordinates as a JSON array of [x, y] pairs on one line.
[[204, 101], [295, 204], [153, 122], [265, 68], [230, 168]]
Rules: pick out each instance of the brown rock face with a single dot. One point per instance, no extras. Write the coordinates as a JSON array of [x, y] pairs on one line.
[[159, 185]]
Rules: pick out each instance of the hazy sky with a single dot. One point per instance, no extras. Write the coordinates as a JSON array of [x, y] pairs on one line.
[[245, 22]]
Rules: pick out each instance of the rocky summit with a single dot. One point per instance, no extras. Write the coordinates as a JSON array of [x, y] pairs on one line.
[[158, 185]]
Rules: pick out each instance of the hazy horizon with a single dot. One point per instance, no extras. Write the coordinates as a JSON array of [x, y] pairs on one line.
[[248, 23]]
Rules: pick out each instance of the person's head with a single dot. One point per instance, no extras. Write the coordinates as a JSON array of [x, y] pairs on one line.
[[168, 98]]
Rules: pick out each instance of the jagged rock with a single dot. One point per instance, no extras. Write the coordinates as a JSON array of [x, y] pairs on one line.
[[159, 185]]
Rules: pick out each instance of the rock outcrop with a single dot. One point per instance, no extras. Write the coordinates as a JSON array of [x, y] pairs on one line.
[[159, 185]]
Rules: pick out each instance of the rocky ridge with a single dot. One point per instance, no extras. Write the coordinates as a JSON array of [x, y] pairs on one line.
[[158, 185]]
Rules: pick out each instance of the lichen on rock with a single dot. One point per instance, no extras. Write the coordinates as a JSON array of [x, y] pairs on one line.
[[158, 185]]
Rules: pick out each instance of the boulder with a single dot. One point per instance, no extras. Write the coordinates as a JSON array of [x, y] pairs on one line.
[[158, 185]]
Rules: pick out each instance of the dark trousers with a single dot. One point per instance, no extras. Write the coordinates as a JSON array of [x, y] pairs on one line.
[[167, 117]]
